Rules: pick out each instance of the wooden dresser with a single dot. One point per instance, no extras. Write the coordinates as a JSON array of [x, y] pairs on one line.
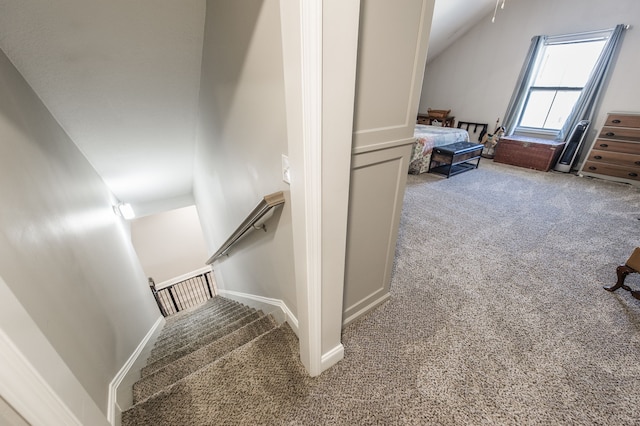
[[615, 155]]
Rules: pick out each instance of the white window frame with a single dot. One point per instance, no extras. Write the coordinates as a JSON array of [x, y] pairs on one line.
[[554, 40]]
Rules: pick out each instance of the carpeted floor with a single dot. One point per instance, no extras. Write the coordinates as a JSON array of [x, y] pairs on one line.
[[497, 316]]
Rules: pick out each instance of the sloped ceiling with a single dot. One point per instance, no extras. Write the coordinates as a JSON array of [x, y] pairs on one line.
[[122, 78], [453, 18]]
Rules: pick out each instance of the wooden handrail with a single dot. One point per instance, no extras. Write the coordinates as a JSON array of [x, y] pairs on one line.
[[268, 202]]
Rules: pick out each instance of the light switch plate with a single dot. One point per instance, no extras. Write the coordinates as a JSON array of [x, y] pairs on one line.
[[286, 169]]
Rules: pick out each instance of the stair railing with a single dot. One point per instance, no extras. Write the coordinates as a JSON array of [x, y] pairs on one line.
[[182, 295], [255, 220]]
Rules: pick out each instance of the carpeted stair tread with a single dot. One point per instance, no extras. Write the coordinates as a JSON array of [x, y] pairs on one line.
[[223, 388], [197, 344], [198, 359], [201, 327], [197, 332], [197, 318], [196, 322], [216, 303], [212, 305]]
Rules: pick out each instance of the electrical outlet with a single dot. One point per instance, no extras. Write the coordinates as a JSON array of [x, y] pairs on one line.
[[286, 169]]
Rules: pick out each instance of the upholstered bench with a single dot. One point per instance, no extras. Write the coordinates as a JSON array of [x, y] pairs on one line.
[[455, 158]]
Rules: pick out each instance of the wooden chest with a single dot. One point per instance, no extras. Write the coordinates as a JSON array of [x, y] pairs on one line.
[[523, 151], [615, 155]]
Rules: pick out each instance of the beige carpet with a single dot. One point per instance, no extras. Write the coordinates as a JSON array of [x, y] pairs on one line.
[[497, 316]]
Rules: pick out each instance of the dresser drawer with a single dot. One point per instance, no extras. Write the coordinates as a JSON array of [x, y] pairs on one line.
[[632, 173], [620, 134], [615, 158], [623, 120], [615, 154], [615, 146]]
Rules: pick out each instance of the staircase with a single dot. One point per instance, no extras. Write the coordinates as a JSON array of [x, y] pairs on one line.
[[209, 365]]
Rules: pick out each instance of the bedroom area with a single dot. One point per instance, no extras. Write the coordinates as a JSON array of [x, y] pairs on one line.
[[484, 67], [501, 271], [475, 75]]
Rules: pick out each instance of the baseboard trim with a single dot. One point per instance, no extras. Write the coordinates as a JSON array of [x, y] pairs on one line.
[[122, 373], [366, 309], [22, 385], [332, 357], [289, 317]]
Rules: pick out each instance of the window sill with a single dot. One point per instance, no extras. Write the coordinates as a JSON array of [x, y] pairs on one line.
[[536, 133]]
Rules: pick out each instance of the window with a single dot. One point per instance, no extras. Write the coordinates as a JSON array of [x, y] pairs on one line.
[[561, 81], [561, 71]]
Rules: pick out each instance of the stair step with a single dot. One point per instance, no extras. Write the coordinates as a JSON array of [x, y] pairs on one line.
[[198, 332], [197, 344], [197, 323], [198, 359], [186, 317], [228, 386], [217, 302]]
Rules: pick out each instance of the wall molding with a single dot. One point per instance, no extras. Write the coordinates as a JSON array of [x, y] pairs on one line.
[[34, 379], [372, 305], [383, 145], [332, 357], [27, 391], [312, 104], [381, 129], [277, 303], [112, 404]]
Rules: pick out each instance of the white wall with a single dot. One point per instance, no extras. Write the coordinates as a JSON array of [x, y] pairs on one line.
[[63, 253], [242, 134], [475, 77], [169, 244]]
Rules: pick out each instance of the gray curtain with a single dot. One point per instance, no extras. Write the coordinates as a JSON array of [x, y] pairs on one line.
[[522, 86], [585, 106]]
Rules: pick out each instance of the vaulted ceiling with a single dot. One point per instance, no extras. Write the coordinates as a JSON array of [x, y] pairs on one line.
[[122, 78]]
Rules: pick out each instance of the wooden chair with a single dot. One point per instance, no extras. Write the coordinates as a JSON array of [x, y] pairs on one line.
[[632, 265], [468, 125]]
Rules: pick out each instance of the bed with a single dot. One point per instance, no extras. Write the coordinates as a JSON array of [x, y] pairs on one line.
[[429, 137]]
